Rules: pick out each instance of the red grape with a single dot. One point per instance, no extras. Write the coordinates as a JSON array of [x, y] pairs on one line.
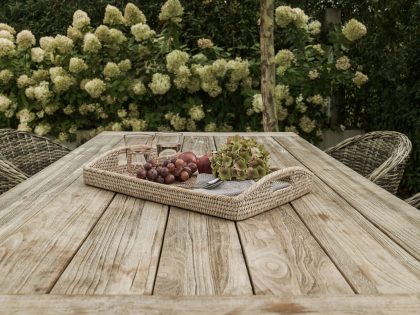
[[159, 169], [147, 166], [169, 179], [152, 174], [188, 170], [160, 179], [193, 167], [177, 172], [164, 171], [141, 173], [173, 160], [184, 176], [179, 163], [166, 162], [171, 167]]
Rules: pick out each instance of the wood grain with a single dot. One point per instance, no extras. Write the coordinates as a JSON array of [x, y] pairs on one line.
[[393, 216], [371, 262], [201, 255], [129, 304], [283, 258], [121, 254]]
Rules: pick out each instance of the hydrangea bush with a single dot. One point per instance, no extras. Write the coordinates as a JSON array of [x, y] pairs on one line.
[[123, 75]]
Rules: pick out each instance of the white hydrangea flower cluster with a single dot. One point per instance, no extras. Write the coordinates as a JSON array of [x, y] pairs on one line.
[[25, 39], [282, 113], [354, 30], [37, 54], [7, 35], [23, 81], [125, 65], [47, 43], [5, 76], [307, 124], [171, 11], [196, 113], [314, 27], [176, 59], [205, 43], [343, 63], [210, 127], [91, 43], [68, 110], [8, 28], [74, 33], [40, 75], [42, 92], [133, 15], [111, 70], [285, 15], [85, 109], [62, 83], [63, 44], [77, 65], [5, 103], [239, 72], [257, 103], [285, 58], [95, 87], [313, 74], [316, 99], [209, 82], [113, 16], [138, 87], [42, 129], [360, 78], [25, 116], [7, 48], [80, 19], [318, 49], [178, 122], [142, 32], [161, 83]]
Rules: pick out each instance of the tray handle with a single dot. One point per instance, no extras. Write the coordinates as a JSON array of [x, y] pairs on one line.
[[295, 176]]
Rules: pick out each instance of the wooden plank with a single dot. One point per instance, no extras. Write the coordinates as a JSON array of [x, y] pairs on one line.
[[37, 245], [369, 260], [392, 215], [129, 304], [25, 200], [121, 254], [201, 255], [283, 258]]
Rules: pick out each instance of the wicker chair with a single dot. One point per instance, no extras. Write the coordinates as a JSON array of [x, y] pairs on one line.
[[380, 156], [23, 154], [414, 201]]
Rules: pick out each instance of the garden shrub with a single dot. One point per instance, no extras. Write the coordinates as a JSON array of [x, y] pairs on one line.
[[123, 75]]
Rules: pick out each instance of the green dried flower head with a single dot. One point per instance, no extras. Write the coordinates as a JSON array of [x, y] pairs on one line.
[[240, 159]]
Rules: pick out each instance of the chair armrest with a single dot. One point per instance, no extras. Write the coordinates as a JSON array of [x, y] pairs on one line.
[[10, 175], [414, 201]]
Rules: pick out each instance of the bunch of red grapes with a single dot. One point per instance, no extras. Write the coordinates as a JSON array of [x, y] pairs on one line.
[[167, 171]]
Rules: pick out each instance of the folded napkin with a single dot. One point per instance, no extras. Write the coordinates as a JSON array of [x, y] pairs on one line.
[[231, 188]]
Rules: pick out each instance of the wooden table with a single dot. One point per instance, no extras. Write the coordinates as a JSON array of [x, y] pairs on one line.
[[349, 246]]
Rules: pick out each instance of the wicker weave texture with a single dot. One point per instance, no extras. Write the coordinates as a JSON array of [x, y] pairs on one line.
[[109, 173], [23, 154], [414, 201], [380, 156]]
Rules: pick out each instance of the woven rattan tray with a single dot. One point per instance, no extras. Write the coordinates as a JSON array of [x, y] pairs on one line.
[[114, 171]]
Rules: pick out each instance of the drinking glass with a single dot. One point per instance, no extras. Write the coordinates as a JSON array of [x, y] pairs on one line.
[[135, 141], [168, 143]]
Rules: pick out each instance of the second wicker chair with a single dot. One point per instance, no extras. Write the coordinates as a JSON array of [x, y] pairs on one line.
[[379, 156], [23, 154]]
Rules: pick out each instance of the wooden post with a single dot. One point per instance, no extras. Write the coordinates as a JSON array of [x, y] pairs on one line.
[[268, 67]]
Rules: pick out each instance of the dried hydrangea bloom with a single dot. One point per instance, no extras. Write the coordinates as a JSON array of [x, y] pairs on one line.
[[7, 48], [161, 83], [42, 129], [314, 28], [172, 11], [63, 44], [77, 65], [80, 19], [133, 15], [354, 30], [306, 124], [343, 63], [205, 43], [111, 70], [196, 113], [95, 87], [176, 59], [8, 28], [25, 39], [142, 32], [360, 78], [7, 35], [37, 54], [113, 16], [91, 43]]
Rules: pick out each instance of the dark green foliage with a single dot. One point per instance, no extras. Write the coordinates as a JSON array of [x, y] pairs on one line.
[[390, 52]]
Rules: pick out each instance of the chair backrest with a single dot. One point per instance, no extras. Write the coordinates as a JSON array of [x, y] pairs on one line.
[[380, 156], [28, 152]]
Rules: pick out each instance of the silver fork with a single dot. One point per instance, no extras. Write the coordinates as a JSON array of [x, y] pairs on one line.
[[209, 185]]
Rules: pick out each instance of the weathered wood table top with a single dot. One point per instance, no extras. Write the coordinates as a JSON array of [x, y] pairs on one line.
[[349, 246]]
